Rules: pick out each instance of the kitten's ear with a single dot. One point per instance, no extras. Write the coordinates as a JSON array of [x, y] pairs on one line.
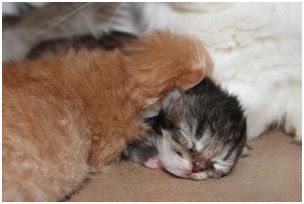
[[172, 96], [190, 80], [245, 150]]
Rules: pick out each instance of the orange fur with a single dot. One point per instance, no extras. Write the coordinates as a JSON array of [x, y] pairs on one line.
[[66, 116]]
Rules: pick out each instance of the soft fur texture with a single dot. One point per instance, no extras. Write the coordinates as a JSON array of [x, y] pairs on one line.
[[198, 134], [66, 116], [256, 48], [108, 41], [15, 8], [62, 20]]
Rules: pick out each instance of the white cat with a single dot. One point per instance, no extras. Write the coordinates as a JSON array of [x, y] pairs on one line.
[[256, 49]]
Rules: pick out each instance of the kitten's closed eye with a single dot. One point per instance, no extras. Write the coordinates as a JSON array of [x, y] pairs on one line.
[[179, 153], [192, 150]]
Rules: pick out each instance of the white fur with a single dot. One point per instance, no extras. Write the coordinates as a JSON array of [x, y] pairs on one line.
[[171, 161], [200, 175], [201, 143], [13, 8], [182, 165], [256, 48]]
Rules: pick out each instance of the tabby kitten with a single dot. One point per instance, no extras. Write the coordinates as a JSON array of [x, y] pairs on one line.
[[198, 134]]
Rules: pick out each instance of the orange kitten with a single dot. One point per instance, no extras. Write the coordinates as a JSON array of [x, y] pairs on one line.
[[66, 116]]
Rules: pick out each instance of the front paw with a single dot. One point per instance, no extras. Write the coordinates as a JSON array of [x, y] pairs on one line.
[[153, 163]]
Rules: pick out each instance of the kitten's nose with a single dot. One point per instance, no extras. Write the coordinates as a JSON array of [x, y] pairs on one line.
[[200, 163], [196, 169]]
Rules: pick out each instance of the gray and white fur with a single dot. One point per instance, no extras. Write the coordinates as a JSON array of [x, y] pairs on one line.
[[198, 134]]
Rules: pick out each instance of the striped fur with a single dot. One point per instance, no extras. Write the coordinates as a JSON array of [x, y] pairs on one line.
[[198, 134]]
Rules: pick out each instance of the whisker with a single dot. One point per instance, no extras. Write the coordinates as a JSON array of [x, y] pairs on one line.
[[21, 28], [87, 22], [116, 12], [60, 20]]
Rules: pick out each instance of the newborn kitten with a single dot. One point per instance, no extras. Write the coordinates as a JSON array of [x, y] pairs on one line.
[[198, 134], [64, 116]]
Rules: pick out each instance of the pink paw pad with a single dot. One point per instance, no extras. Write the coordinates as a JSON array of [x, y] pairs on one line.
[[153, 163]]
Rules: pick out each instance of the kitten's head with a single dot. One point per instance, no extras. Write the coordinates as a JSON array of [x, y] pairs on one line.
[[203, 136], [162, 60]]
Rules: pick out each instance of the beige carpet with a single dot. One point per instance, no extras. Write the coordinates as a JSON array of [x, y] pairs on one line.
[[272, 172]]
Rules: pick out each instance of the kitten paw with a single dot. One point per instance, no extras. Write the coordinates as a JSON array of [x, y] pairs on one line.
[[153, 163]]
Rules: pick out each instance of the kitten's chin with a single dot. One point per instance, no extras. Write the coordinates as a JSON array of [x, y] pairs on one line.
[[199, 175], [182, 173], [203, 175], [195, 176]]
